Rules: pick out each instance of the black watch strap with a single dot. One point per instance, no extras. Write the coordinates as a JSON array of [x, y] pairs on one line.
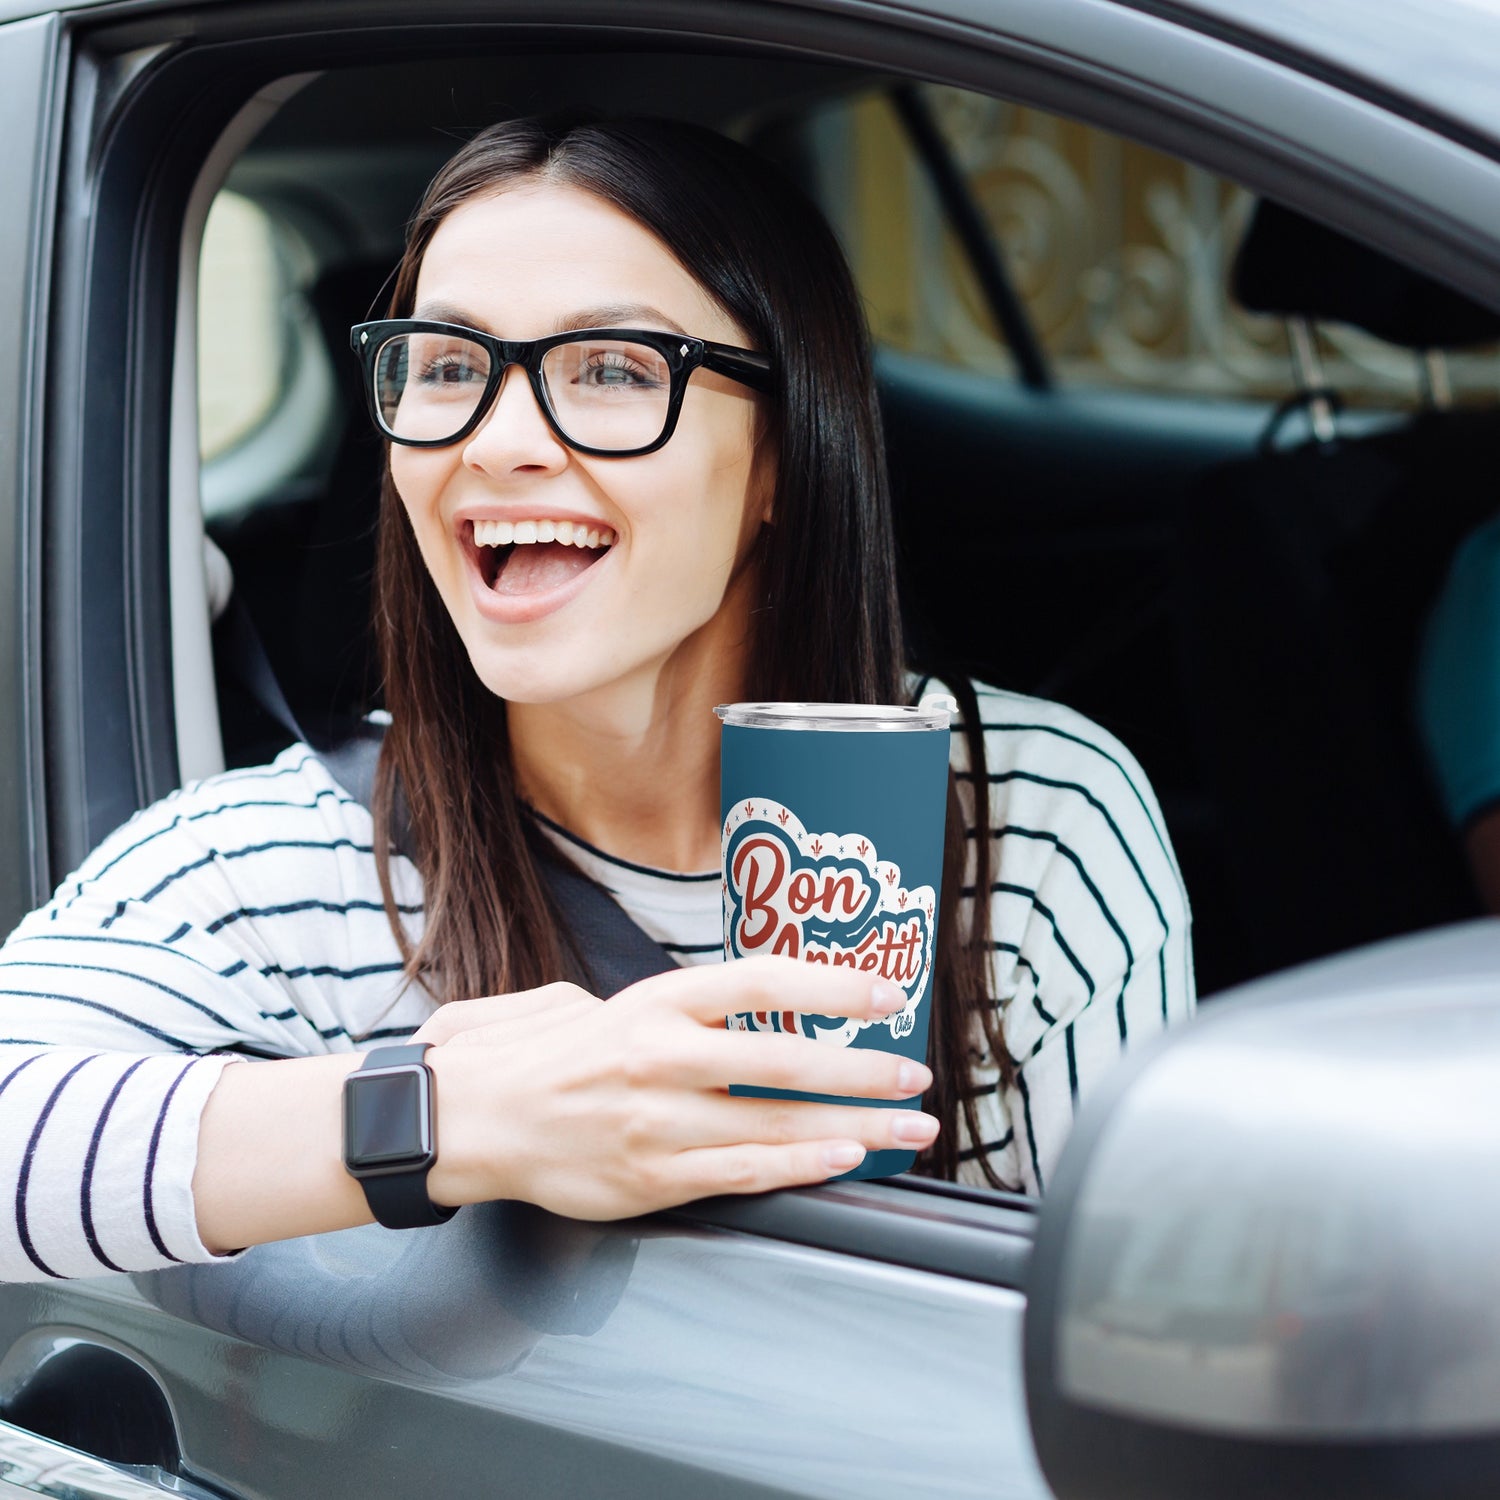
[[402, 1202], [397, 1194]]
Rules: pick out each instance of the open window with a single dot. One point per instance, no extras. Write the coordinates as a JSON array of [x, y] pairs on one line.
[[1066, 371]]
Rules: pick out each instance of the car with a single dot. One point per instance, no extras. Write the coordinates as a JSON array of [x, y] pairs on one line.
[[1184, 316]]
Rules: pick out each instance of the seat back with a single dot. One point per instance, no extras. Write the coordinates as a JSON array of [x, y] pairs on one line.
[[1304, 579]]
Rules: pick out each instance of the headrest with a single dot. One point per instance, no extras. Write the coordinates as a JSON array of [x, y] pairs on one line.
[[1291, 267]]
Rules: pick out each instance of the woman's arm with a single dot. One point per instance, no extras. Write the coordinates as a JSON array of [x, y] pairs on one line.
[[240, 916], [594, 1110], [96, 1152]]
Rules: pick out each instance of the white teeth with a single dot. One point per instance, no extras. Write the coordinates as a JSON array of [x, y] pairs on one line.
[[493, 533], [526, 533]]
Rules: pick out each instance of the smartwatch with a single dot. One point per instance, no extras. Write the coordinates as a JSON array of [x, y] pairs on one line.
[[390, 1135]]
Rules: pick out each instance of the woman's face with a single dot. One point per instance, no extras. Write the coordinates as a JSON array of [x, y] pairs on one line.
[[558, 621]]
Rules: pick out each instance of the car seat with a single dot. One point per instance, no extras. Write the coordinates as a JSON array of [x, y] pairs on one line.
[[340, 680], [1304, 576], [303, 590]]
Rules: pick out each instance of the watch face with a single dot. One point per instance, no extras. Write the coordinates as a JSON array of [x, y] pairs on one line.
[[386, 1119]]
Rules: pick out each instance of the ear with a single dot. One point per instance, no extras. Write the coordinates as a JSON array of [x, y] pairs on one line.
[[764, 471]]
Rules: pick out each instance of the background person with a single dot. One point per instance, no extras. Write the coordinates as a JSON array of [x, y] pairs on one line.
[[1458, 702]]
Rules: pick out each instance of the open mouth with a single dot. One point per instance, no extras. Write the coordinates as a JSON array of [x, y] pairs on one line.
[[534, 557]]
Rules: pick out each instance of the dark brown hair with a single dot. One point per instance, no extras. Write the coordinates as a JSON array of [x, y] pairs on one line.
[[829, 629]]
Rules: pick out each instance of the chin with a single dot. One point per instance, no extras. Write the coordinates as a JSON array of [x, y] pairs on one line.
[[538, 675], [567, 664]]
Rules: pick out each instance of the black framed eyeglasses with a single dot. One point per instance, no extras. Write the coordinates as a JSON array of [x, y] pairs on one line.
[[615, 392]]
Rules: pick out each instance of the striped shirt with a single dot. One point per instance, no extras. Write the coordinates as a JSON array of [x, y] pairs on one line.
[[241, 917]]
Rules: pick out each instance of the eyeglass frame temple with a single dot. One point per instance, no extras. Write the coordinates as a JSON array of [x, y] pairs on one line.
[[744, 365]]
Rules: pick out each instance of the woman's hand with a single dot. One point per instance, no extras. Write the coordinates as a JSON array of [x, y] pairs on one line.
[[474, 1022], [604, 1110]]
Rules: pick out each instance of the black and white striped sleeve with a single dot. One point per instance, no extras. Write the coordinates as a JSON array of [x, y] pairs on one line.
[[237, 918], [1090, 924]]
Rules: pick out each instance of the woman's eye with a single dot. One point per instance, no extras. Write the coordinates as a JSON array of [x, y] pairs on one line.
[[451, 369], [604, 371]]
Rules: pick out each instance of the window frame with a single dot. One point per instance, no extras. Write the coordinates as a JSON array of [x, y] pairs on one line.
[[981, 247], [33, 106]]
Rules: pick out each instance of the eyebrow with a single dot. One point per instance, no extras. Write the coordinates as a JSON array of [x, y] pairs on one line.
[[449, 312], [620, 315], [614, 315]]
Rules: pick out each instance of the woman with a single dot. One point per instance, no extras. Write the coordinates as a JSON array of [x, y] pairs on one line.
[[559, 603]]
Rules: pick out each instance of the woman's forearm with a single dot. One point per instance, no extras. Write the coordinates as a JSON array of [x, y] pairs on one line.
[[591, 1110], [270, 1161]]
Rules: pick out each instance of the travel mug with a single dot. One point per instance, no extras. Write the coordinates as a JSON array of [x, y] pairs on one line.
[[833, 817]]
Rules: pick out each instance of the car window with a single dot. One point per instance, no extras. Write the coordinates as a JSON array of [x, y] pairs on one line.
[[1120, 255], [265, 386], [244, 340], [920, 292]]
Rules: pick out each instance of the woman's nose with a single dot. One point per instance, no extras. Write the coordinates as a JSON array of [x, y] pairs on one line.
[[514, 433]]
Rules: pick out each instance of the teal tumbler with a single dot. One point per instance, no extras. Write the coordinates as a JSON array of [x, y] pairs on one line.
[[833, 817]]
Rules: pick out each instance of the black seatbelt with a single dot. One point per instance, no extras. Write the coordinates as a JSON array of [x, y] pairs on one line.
[[246, 656], [615, 950]]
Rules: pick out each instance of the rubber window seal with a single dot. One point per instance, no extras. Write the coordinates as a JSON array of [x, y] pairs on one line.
[[908, 1221]]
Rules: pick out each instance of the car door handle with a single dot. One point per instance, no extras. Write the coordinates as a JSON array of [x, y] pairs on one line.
[[32, 1466]]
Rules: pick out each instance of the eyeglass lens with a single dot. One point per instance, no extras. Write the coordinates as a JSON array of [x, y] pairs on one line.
[[604, 393]]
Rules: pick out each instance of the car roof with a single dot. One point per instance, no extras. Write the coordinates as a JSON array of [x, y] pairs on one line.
[[1429, 58], [1435, 57]]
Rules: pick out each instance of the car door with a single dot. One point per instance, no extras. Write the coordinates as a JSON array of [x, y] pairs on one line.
[[513, 1352], [850, 1340]]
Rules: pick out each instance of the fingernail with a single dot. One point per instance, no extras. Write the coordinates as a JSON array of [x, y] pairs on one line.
[[913, 1078], [919, 1128], [887, 997], [843, 1156]]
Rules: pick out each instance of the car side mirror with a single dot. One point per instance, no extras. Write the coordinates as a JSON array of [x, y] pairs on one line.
[[1269, 1262]]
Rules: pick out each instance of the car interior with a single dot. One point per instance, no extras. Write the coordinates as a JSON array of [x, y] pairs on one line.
[[1188, 462]]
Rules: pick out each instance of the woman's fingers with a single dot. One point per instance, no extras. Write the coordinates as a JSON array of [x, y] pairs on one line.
[[790, 1144], [553, 1001], [718, 1121], [770, 1060], [709, 992], [754, 1168], [706, 993]]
